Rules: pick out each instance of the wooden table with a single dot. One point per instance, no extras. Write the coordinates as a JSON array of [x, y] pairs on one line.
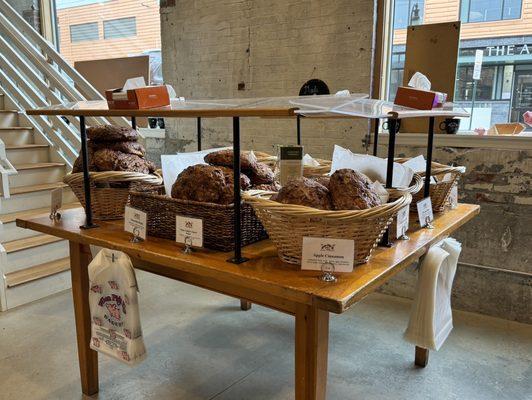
[[263, 280]]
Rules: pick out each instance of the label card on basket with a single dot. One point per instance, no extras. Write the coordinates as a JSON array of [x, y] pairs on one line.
[[135, 222], [453, 197], [57, 200], [424, 212], [189, 231], [323, 253], [403, 220], [290, 163]]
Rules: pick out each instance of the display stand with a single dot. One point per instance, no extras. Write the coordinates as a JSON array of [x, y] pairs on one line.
[[265, 279], [329, 106]]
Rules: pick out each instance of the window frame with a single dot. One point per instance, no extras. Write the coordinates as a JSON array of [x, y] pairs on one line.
[[464, 16]]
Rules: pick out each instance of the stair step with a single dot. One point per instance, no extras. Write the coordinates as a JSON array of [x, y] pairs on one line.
[[37, 188], [29, 166], [12, 217], [37, 272], [30, 146], [16, 135], [29, 243], [9, 118]]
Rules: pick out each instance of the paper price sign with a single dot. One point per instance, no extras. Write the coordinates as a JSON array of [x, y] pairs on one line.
[[403, 220], [424, 212], [189, 231], [135, 222], [453, 197], [321, 253]]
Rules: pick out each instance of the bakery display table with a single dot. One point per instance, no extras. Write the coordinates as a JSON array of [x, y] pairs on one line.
[[264, 280]]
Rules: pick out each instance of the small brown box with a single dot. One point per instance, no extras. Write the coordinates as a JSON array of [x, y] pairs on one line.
[[415, 98], [137, 99]]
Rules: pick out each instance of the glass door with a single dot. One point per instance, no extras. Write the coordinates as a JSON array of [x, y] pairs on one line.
[[522, 96]]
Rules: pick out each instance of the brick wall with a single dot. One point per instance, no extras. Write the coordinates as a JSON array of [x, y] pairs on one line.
[[495, 275], [268, 48]]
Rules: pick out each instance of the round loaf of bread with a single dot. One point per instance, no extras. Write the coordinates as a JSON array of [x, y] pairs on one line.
[[224, 158], [260, 174], [78, 163], [112, 160], [305, 192], [125, 147], [111, 133], [351, 190]]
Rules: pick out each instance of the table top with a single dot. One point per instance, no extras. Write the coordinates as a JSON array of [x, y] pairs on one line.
[[264, 272], [325, 106]]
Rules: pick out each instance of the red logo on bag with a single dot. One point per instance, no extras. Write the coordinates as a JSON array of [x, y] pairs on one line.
[[96, 289], [127, 333], [113, 310], [113, 285], [95, 342]]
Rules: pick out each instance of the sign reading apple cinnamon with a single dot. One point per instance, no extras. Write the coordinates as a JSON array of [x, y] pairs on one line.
[[321, 254]]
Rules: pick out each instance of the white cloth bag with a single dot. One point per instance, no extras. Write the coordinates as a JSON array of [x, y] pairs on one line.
[[113, 302], [431, 318]]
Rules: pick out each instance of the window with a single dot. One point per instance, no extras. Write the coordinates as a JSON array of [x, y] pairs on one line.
[[503, 91], [84, 32], [490, 10], [119, 28], [408, 12]]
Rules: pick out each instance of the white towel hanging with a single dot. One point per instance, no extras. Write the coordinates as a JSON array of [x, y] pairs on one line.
[[431, 318]]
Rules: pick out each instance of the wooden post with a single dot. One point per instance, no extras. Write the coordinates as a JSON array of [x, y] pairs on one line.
[[311, 351], [88, 358], [422, 357]]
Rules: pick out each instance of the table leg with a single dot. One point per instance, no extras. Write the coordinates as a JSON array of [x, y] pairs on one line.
[[422, 357], [312, 348], [245, 305], [88, 358]]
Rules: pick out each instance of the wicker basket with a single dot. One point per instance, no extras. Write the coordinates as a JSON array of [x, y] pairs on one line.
[[287, 224], [417, 184], [439, 190], [218, 219], [110, 190]]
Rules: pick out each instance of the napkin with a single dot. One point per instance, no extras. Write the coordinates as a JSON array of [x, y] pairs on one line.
[[374, 168]]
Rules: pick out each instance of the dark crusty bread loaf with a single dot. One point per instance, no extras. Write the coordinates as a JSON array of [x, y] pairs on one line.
[[351, 190], [305, 192], [111, 133], [224, 158], [207, 183]]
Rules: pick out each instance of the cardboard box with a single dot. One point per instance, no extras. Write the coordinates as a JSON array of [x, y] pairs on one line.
[[419, 99], [507, 129], [138, 98]]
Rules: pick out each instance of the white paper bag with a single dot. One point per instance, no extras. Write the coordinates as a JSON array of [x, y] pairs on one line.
[[431, 318], [113, 302], [374, 168]]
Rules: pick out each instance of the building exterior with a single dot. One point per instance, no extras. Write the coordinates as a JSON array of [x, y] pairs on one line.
[[501, 29], [92, 29]]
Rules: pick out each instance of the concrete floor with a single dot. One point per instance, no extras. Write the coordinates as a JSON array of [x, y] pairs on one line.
[[201, 346]]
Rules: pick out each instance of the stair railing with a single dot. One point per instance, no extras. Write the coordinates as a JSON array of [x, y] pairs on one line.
[[34, 74]]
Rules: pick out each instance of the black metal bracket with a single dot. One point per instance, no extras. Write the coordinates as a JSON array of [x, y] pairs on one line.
[[198, 127], [134, 122], [237, 259], [430, 145], [298, 128], [376, 136], [393, 127], [86, 178]]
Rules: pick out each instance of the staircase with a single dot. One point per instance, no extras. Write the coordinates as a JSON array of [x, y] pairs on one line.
[[39, 151], [32, 265]]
